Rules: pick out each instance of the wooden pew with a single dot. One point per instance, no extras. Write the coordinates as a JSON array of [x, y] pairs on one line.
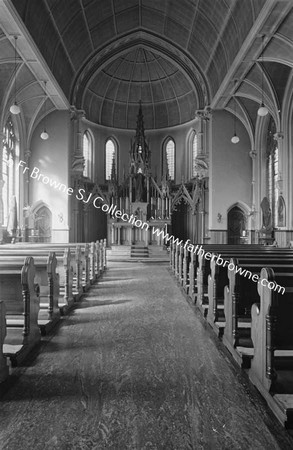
[[175, 258], [176, 261], [48, 282], [64, 269], [20, 295], [185, 274], [239, 298], [92, 262], [87, 275], [105, 254], [101, 256], [272, 335], [4, 369], [171, 256], [218, 278], [192, 289], [204, 268]]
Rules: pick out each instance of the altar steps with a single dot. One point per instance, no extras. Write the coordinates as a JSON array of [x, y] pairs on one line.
[[139, 251], [127, 253]]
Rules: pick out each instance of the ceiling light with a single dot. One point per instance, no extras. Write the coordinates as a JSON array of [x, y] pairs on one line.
[[262, 110], [235, 139], [14, 109], [44, 135]]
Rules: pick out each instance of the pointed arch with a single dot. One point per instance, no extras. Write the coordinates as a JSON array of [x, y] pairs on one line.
[[168, 158], [111, 157], [87, 151]]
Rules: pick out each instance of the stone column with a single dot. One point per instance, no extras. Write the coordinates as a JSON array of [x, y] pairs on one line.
[[77, 165], [204, 116], [1, 187], [252, 155], [279, 136], [26, 199]]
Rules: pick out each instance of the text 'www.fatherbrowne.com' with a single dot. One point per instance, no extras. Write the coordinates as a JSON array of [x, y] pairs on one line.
[[98, 202], [198, 250]]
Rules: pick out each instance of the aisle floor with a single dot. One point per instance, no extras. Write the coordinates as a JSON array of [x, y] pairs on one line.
[[134, 367]]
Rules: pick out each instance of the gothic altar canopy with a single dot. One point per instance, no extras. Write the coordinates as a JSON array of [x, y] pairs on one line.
[[140, 196]]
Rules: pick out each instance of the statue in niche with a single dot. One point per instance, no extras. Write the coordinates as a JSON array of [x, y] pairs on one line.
[[266, 214], [139, 187]]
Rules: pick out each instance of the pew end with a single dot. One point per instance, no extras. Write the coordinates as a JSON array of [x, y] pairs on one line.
[[272, 365], [20, 295], [215, 311], [4, 369]]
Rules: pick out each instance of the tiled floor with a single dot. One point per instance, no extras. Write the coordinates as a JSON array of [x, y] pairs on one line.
[[134, 368]]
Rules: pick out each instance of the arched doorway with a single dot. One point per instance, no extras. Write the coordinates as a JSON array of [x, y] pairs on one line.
[[236, 225], [42, 224], [179, 221]]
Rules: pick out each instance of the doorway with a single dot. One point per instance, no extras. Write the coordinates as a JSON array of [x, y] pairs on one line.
[[236, 225]]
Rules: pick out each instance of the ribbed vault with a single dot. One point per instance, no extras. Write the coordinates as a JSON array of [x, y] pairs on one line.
[[167, 95], [202, 37]]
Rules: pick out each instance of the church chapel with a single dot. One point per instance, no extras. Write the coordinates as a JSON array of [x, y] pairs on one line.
[[146, 224]]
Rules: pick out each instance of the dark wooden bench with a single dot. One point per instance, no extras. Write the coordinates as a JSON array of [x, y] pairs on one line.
[[218, 278], [204, 267], [272, 336], [87, 261], [64, 269], [4, 369], [21, 297], [240, 295], [48, 282]]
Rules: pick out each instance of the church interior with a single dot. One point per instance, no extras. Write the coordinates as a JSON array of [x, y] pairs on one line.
[[146, 224]]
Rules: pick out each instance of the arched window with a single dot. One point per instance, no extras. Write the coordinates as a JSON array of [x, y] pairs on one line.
[[194, 153], [87, 148], [111, 159], [170, 158], [9, 156], [272, 166]]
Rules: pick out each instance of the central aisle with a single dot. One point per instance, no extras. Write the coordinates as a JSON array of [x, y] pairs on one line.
[[133, 367]]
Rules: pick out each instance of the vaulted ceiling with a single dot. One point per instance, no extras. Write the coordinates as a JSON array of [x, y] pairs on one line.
[[97, 48], [174, 56]]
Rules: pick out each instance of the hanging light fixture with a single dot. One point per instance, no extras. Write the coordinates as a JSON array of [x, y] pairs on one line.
[[235, 139], [14, 109], [44, 135], [262, 110]]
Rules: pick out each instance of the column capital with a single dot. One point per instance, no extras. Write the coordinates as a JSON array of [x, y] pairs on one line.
[[278, 136], [204, 114], [27, 154], [253, 154], [75, 113]]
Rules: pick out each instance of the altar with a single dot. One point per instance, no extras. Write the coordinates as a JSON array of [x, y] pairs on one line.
[[145, 204]]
